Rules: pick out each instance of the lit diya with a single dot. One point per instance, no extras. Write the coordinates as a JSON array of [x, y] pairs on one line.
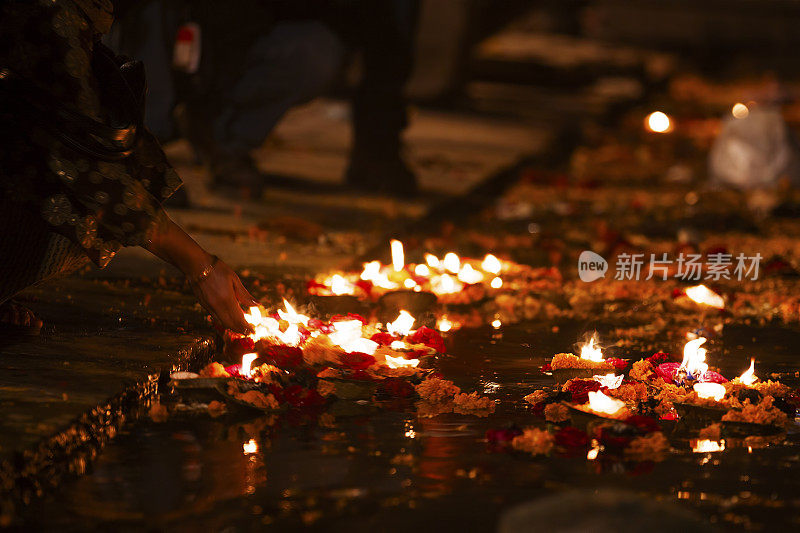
[[451, 279], [566, 366], [599, 409]]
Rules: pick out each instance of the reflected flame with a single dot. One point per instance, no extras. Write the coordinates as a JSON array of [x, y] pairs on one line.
[[610, 381], [694, 358], [749, 377], [491, 264], [707, 446], [713, 391], [402, 324], [399, 362], [452, 263], [469, 275], [591, 350], [444, 324], [247, 362], [250, 447], [398, 257], [658, 122], [600, 403], [705, 296]]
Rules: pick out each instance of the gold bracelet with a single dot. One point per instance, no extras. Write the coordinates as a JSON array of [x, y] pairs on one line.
[[206, 271]]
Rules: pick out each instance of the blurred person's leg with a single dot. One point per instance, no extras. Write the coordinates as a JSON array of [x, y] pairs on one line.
[[385, 33], [293, 63], [146, 32]]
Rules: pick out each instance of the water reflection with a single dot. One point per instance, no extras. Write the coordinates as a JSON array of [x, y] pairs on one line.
[[358, 468]]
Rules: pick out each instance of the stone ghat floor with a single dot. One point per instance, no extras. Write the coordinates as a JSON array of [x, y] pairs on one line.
[[353, 469]]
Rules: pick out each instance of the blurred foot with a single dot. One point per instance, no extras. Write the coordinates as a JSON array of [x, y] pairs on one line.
[[237, 173], [16, 318], [387, 175]]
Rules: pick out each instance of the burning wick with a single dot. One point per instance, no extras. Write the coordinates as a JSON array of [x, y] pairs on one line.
[[658, 122], [422, 270], [452, 263], [491, 264], [469, 275], [600, 403], [398, 257], [739, 110], [705, 296], [694, 358], [709, 390], [250, 447], [402, 324], [749, 377], [340, 286], [591, 350], [247, 362]]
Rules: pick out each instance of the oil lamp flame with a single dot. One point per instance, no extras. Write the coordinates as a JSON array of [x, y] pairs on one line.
[[445, 284], [694, 358], [496, 283], [739, 110], [347, 335], [610, 381], [709, 390], [422, 270], [371, 270], [339, 285], [291, 316], [600, 403], [469, 275], [432, 261], [591, 351], [247, 362], [658, 122], [398, 257], [444, 324], [250, 447], [402, 324], [705, 296], [749, 377], [707, 446], [491, 264], [452, 263], [399, 362]]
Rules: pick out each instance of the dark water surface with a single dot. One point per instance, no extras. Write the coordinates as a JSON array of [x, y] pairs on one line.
[[356, 468]]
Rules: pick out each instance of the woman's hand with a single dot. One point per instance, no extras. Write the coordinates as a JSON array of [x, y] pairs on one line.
[[214, 283], [222, 294]]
